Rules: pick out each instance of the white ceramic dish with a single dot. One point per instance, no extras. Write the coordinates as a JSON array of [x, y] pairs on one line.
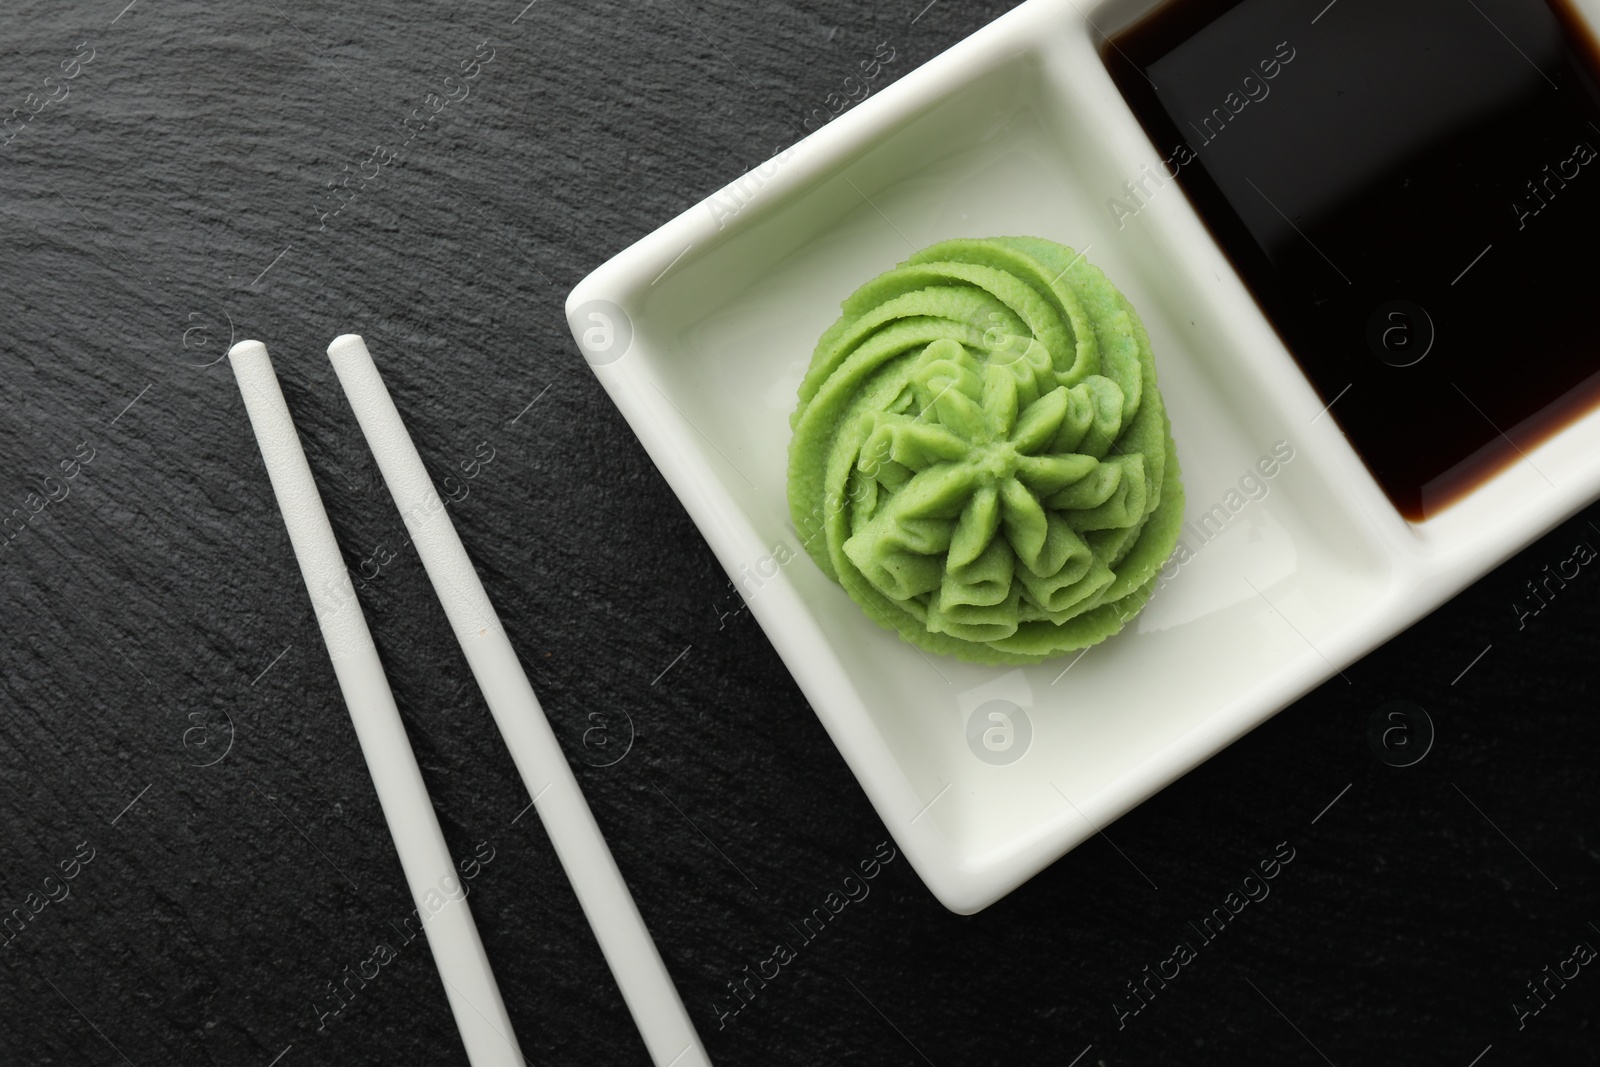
[[1019, 130]]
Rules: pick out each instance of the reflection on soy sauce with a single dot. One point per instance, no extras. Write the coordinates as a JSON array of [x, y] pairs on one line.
[[1411, 193]]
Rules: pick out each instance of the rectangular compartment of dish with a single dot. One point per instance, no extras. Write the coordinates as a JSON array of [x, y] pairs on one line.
[[1541, 482]]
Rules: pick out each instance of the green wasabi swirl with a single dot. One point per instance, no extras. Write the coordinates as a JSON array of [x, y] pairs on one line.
[[981, 457]]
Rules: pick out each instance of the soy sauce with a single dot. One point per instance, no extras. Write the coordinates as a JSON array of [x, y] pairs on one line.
[[1411, 191]]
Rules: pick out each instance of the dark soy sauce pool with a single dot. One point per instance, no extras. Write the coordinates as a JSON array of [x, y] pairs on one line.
[[1411, 190]]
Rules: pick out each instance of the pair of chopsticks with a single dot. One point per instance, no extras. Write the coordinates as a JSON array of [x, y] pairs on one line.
[[451, 934]]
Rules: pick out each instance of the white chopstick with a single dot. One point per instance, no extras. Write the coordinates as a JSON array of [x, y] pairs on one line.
[[430, 872], [636, 964]]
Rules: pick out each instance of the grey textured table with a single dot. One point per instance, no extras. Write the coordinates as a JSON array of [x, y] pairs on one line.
[[193, 856]]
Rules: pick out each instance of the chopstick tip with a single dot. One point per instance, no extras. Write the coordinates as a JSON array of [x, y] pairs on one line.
[[347, 344], [248, 348]]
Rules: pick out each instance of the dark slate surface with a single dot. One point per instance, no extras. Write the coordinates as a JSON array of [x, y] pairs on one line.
[[154, 621]]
